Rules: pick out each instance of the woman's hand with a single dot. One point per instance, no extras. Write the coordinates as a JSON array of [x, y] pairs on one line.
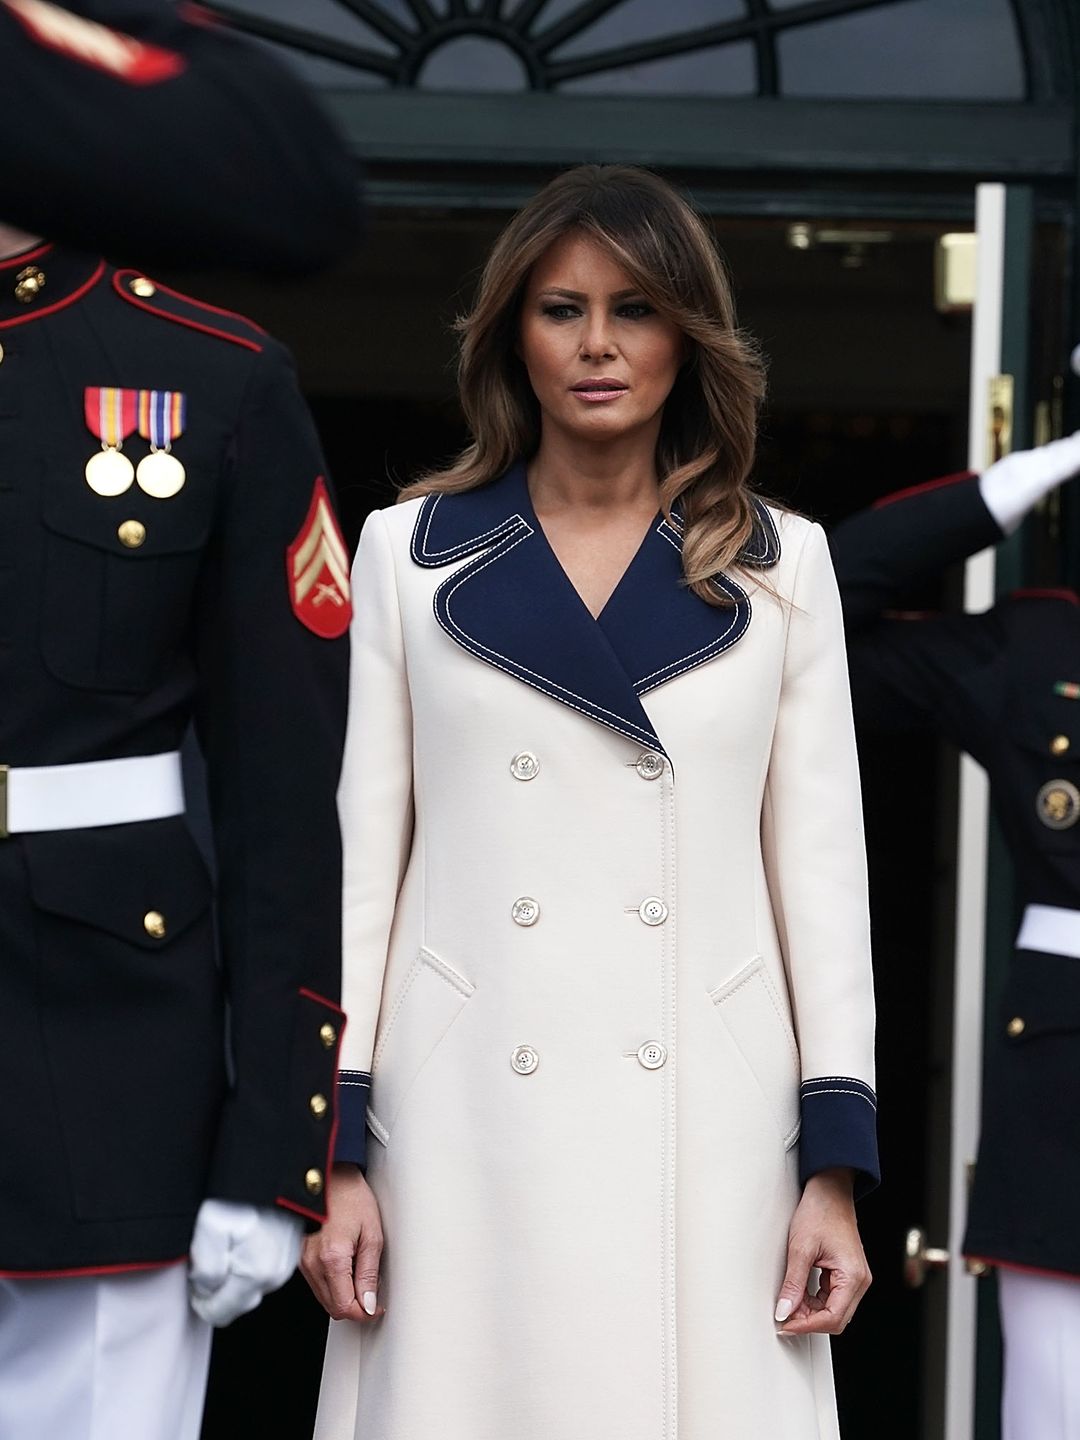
[[823, 1234], [341, 1261]]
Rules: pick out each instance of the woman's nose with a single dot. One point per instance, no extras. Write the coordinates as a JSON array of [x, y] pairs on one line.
[[597, 342]]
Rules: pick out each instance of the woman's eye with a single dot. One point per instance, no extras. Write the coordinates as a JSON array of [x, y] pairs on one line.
[[562, 312], [636, 310]]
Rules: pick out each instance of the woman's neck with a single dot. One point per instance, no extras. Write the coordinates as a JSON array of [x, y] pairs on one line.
[[614, 474], [13, 241]]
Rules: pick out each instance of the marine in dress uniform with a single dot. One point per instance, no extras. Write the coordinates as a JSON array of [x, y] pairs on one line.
[[1003, 685], [138, 127], [168, 554]]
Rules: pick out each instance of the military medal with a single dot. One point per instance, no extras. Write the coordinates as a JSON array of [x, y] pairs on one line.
[[162, 414], [110, 415], [1058, 804], [1067, 689]]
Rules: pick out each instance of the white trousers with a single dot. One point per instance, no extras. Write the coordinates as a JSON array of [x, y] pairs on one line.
[[115, 1357], [1040, 1321]]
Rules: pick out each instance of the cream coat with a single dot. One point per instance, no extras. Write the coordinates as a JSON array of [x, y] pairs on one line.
[[591, 1249]]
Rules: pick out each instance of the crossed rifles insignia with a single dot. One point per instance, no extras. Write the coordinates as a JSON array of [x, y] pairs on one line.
[[318, 570]]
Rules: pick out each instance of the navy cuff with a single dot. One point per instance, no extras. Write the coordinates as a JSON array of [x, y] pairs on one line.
[[839, 1130], [354, 1087]]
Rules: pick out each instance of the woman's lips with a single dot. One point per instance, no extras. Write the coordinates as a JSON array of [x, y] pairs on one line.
[[598, 390]]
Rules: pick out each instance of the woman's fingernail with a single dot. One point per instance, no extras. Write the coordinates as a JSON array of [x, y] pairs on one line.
[[783, 1310], [369, 1301]]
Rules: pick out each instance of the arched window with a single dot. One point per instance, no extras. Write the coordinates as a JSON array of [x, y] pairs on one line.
[[840, 49]]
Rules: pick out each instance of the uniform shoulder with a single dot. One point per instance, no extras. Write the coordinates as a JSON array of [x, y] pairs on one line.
[[173, 306]]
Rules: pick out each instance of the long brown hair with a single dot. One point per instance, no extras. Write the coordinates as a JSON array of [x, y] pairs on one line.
[[709, 427]]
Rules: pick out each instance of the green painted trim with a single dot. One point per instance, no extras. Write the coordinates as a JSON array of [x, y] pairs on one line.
[[1000, 142]]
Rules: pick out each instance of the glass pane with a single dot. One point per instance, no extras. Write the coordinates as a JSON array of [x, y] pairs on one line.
[[326, 17], [637, 20], [720, 70], [473, 64], [914, 49]]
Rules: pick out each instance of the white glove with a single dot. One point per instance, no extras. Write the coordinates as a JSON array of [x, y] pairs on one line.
[[1013, 485], [239, 1253]]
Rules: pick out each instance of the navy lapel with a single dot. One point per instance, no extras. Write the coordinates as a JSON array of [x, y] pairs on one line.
[[514, 607]]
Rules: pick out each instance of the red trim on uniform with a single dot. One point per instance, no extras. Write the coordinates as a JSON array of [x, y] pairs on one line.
[[25, 256], [312, 995], [90, 1270], [1025, 1269], [1049, 594], [135, 62], [60, 304], [938, 484], [125, 294], [318, 1216]]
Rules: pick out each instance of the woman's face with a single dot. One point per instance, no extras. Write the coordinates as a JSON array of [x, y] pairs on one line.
[[601, 361]]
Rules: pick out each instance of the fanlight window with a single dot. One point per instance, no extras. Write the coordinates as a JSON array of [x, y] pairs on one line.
[[842, 49]]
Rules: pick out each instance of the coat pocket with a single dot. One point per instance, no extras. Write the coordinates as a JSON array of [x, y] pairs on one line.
[[430, 999], [757, 1022]]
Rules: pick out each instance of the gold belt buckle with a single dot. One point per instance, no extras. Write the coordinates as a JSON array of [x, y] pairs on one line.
[[3, 802]]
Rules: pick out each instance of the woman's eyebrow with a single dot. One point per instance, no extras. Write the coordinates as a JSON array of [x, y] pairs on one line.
[[578, 295]]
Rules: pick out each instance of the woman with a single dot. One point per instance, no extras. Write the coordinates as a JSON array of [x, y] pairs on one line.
[[605, 885]]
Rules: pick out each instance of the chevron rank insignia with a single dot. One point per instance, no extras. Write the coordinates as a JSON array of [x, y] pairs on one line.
[[317, 563]]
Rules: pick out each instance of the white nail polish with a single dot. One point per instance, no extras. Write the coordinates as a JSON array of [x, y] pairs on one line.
[[783, 1310], [369, 1302]]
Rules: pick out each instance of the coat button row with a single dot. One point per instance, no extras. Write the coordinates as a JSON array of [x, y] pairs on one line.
[[652, 1056], [1016, 1026], [1059, 745], [328, 1036], [318, 1105], [313, 1181], [154, 924]]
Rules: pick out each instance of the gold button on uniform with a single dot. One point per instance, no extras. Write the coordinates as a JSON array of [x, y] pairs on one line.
[[313, 1182], [131, 533], [1, 354], [318, 1106], [154, 924], [1016, 1026], [1059, 745], [142, 287], [328, 1036]]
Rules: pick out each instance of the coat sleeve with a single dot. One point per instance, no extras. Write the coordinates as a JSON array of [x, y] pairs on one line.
[[270, 718], [375, 803], [816, 867], [132, 132]]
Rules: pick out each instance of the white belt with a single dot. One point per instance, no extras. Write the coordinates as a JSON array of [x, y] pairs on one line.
[[100, 792], [1051, 929]]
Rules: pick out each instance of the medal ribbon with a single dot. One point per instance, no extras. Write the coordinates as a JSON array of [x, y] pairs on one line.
[[110, 413], [162, 416]]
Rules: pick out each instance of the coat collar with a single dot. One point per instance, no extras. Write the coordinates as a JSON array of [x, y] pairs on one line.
[[42, 280], [514, 607]]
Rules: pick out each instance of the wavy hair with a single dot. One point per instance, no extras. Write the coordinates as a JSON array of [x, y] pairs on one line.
[[708, 430]]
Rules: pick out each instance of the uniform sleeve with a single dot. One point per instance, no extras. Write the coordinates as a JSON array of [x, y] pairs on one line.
[[131, 132], [376, 807], [912, 672], [816, 866], [271, 719]]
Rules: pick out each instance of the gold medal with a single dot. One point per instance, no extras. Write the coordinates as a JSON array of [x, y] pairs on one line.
[[1058, 804], [161, 475], [109, 472]]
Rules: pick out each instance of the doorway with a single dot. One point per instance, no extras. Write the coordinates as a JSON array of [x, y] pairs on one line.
[[868, 393]]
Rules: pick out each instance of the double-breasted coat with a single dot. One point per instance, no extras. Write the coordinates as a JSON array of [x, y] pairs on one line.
[[606, 955], [125, 617], [1004, 685]]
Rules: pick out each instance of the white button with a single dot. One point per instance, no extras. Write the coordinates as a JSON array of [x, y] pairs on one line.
[[653, 911], [525, 1060], [650, 766], [1, 354], [524, 765], [526, 910], [652, 1055]]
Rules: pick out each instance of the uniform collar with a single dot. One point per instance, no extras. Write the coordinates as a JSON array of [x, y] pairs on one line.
[[514, 607], [42, 280]]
